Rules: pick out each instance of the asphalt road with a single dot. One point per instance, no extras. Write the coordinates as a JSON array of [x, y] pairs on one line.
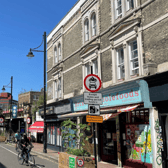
[[8, 159]]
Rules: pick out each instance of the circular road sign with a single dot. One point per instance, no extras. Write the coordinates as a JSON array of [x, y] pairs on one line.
[[92, 83], [80, 162], [1, 120], [28, 120]]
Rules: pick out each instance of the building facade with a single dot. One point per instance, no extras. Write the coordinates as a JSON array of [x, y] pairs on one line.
[[124, 43]]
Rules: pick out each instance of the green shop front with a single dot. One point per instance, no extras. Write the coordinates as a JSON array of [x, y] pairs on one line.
[[126, 137]]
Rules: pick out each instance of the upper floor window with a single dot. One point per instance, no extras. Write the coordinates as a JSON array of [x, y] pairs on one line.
[[59, 51], [93, 65], [86, 25], [133, 57], [57, 88], [35, 97], [120, 64], [118, 8], [55, 54], [129, 4], [93, 24]]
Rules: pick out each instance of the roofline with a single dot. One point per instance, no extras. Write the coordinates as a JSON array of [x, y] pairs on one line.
[[60, 24]]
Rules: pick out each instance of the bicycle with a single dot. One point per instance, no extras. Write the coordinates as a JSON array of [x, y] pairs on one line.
[[22, 158]]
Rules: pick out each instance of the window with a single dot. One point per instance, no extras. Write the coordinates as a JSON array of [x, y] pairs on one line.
[[93, 65], [133, 55], [55, 54], [59, 51], [129, 4], [35, 97], [118, 8], [93, 24], [59, 87], [56, 90], [120, 64], [86, 30], [87, 70]]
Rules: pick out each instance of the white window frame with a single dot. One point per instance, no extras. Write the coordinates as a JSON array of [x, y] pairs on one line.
[[87, 69], [129, 4], [55, 89], [95, 68], [55, 54], [86, 27], [93, 24], [131, 60], [59, 88], [90, 64], [59, 52], [120, 65], [117, 8]]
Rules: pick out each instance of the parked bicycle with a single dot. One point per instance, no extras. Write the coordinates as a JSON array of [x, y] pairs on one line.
[[30, 158]]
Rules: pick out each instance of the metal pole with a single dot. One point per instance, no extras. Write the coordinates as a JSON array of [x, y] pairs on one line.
[[11, 106], [94, 133], [45, 125]]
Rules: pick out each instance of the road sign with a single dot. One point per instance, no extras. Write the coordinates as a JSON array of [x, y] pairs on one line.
[[92, 83], [94, 119], [94, 109], [80, 162], [93, 98], [72, 161], [28, 120], [1, 120]]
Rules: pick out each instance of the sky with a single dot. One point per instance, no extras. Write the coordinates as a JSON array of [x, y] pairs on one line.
[[22, 25]]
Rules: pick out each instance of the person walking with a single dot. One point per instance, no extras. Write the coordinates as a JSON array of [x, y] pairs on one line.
[[17, 138]]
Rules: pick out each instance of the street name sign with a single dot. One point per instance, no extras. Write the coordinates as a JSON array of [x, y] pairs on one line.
[[94, 119], [94, 109], [93, 98]]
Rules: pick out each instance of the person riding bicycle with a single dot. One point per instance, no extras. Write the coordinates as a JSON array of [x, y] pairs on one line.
[[17, 138], [24, 143]]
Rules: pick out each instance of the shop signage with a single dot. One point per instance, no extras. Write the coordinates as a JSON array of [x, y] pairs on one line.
[[92, 83], [94, 119], [93, 98], [94, 109], [136, 92], [61, 109], [14, 111]]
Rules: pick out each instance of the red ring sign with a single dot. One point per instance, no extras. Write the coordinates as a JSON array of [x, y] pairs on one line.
[[28, 120], [92, 83], [1, 120], [80, 162]]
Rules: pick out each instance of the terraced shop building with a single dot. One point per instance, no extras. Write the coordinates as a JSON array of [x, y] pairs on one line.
[[124, 42]]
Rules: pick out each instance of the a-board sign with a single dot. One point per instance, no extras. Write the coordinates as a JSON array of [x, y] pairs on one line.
[[92, 83], [94, 119], [93, 98]]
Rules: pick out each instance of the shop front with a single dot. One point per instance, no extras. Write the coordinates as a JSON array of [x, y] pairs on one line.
[[125, 137]]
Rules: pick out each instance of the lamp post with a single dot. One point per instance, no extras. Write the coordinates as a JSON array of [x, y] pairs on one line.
[[30, 54], [3, 89]]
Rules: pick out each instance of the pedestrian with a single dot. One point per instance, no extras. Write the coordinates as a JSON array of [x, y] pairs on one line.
[[17, 138]]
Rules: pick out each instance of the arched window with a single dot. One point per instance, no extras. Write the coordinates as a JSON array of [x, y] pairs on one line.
[[55, 54], [86, 23], [93, 24], [59, 51]]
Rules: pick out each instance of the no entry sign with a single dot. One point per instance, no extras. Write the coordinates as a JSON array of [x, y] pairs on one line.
[[1, 120], [92, 83]]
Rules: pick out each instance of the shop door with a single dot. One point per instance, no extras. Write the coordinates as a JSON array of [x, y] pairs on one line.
[[108, 141]]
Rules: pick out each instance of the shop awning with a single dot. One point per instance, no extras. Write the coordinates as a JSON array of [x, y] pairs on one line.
[[119, 111], [38, 127], [113, 111]]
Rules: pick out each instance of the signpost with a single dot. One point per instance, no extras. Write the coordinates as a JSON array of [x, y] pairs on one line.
[[93, 84]]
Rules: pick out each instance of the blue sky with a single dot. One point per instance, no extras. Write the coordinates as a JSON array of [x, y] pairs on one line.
[[22, 24]]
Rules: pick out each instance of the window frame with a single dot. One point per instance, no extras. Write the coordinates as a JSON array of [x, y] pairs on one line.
[[129, 4], [120, 65], [59, 52], [55, 55], [117, 9], [86, 29], [93, 24]]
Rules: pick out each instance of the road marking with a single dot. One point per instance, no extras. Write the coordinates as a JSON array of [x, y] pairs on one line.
[[17, 154]]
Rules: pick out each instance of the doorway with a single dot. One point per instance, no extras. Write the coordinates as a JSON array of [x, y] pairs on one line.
[[108, 141]]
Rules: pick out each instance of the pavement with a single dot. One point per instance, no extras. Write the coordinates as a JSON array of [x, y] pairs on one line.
[[38, 150]]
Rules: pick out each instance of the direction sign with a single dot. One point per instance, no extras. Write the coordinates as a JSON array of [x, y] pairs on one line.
[[93, 98], [94, 109], [92, 83], [94, 119]]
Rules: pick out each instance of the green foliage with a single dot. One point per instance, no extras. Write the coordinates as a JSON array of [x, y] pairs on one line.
[[68, 124]]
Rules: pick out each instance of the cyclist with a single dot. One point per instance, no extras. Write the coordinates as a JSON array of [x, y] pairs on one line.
[[17, 138], [24, 143]]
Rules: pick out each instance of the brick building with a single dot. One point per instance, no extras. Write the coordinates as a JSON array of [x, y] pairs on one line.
[[124, 42]]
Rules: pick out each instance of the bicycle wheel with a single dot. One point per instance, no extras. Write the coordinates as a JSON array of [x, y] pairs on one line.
[[31, 160], [20, 159]]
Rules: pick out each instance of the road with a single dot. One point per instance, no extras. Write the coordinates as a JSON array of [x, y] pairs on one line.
[[8, 159]]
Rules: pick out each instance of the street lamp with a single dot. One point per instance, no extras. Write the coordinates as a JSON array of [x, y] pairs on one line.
[[30, 54], [3, 89]]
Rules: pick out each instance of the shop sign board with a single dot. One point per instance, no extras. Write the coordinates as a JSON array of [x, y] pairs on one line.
[[92, 83], [93, 98], [14, 111], [94, 109], [94, 119]]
